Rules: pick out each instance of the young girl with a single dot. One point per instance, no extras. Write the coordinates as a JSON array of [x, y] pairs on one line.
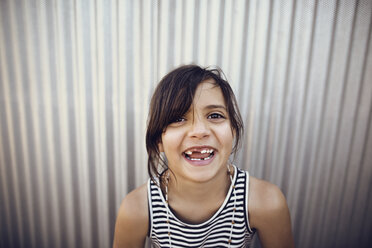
[[195, 196]]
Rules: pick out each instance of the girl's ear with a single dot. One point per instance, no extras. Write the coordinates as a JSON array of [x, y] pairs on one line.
[[160, 147]]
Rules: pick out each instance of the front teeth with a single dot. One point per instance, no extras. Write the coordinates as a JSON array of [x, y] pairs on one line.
[[207, 151], [202, 151], [210, 151]]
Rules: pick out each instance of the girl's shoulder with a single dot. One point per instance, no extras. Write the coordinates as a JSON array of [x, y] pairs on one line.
[[136, 201], [266, 200], [132, 219], [269, 214]]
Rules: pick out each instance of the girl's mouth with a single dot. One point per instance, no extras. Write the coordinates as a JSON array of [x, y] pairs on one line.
[[199, 154]]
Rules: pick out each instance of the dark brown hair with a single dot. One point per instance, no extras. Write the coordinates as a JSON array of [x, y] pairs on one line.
[[172, 99]]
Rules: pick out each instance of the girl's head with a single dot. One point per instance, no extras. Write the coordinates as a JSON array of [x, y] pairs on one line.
[[173, 98]]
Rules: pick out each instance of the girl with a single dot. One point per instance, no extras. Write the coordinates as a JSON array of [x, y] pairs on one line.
[[195, 197]]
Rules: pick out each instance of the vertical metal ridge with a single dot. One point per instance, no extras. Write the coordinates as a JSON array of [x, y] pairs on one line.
[[23, 154], [179, 35], [182, 28], [285, 97], [221, 33], [248, 120], [15, 211], [5, 217], [129, 104], [196, 28], [7, 228], [363, 191], [49, 106], [109, 59], [122, 165], [70, 147], [33, 142], [354, 211], [171, 33], [363, 236], [113, 189], [202, 33], [77, 76], [39, 186], [137, 90], [93, 124], [228, 29], [265, 108], [239, 93], [81, 118], [280, 41], [64, 158]]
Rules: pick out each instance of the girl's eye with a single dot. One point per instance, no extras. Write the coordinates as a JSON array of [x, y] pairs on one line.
[[216, 116], [177, 121], [181, 119]]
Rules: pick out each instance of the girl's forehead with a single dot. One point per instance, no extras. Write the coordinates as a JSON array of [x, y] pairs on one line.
[[208, 94], [207, 84], [208, 87]]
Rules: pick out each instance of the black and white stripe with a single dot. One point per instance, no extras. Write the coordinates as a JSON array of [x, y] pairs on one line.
[[214, 232]]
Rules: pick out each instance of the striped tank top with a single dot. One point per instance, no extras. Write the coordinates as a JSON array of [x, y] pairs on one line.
[[214, 232]]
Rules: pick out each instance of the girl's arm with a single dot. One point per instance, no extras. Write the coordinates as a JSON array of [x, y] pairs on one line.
[[132, 220], [269, 215]]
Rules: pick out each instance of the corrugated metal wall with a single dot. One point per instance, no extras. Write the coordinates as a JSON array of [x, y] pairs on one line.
[[75, 82]]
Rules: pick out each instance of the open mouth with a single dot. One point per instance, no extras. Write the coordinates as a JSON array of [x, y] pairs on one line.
[[199, 154]]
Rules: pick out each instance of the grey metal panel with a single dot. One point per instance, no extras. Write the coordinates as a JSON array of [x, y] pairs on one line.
[[76, 79]]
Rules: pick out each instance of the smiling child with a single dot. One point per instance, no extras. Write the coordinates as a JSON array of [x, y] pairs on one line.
[[195, 196]]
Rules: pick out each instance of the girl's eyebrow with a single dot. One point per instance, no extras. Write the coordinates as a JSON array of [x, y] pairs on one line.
[[214, 106]]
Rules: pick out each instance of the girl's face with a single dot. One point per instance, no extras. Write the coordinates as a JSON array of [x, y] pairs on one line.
[[198, 145]]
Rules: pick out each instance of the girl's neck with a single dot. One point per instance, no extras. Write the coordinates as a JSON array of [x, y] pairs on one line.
[[195, 202], [200, 191]]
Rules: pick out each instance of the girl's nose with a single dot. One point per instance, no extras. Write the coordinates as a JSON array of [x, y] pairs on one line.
[[199, 128]]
